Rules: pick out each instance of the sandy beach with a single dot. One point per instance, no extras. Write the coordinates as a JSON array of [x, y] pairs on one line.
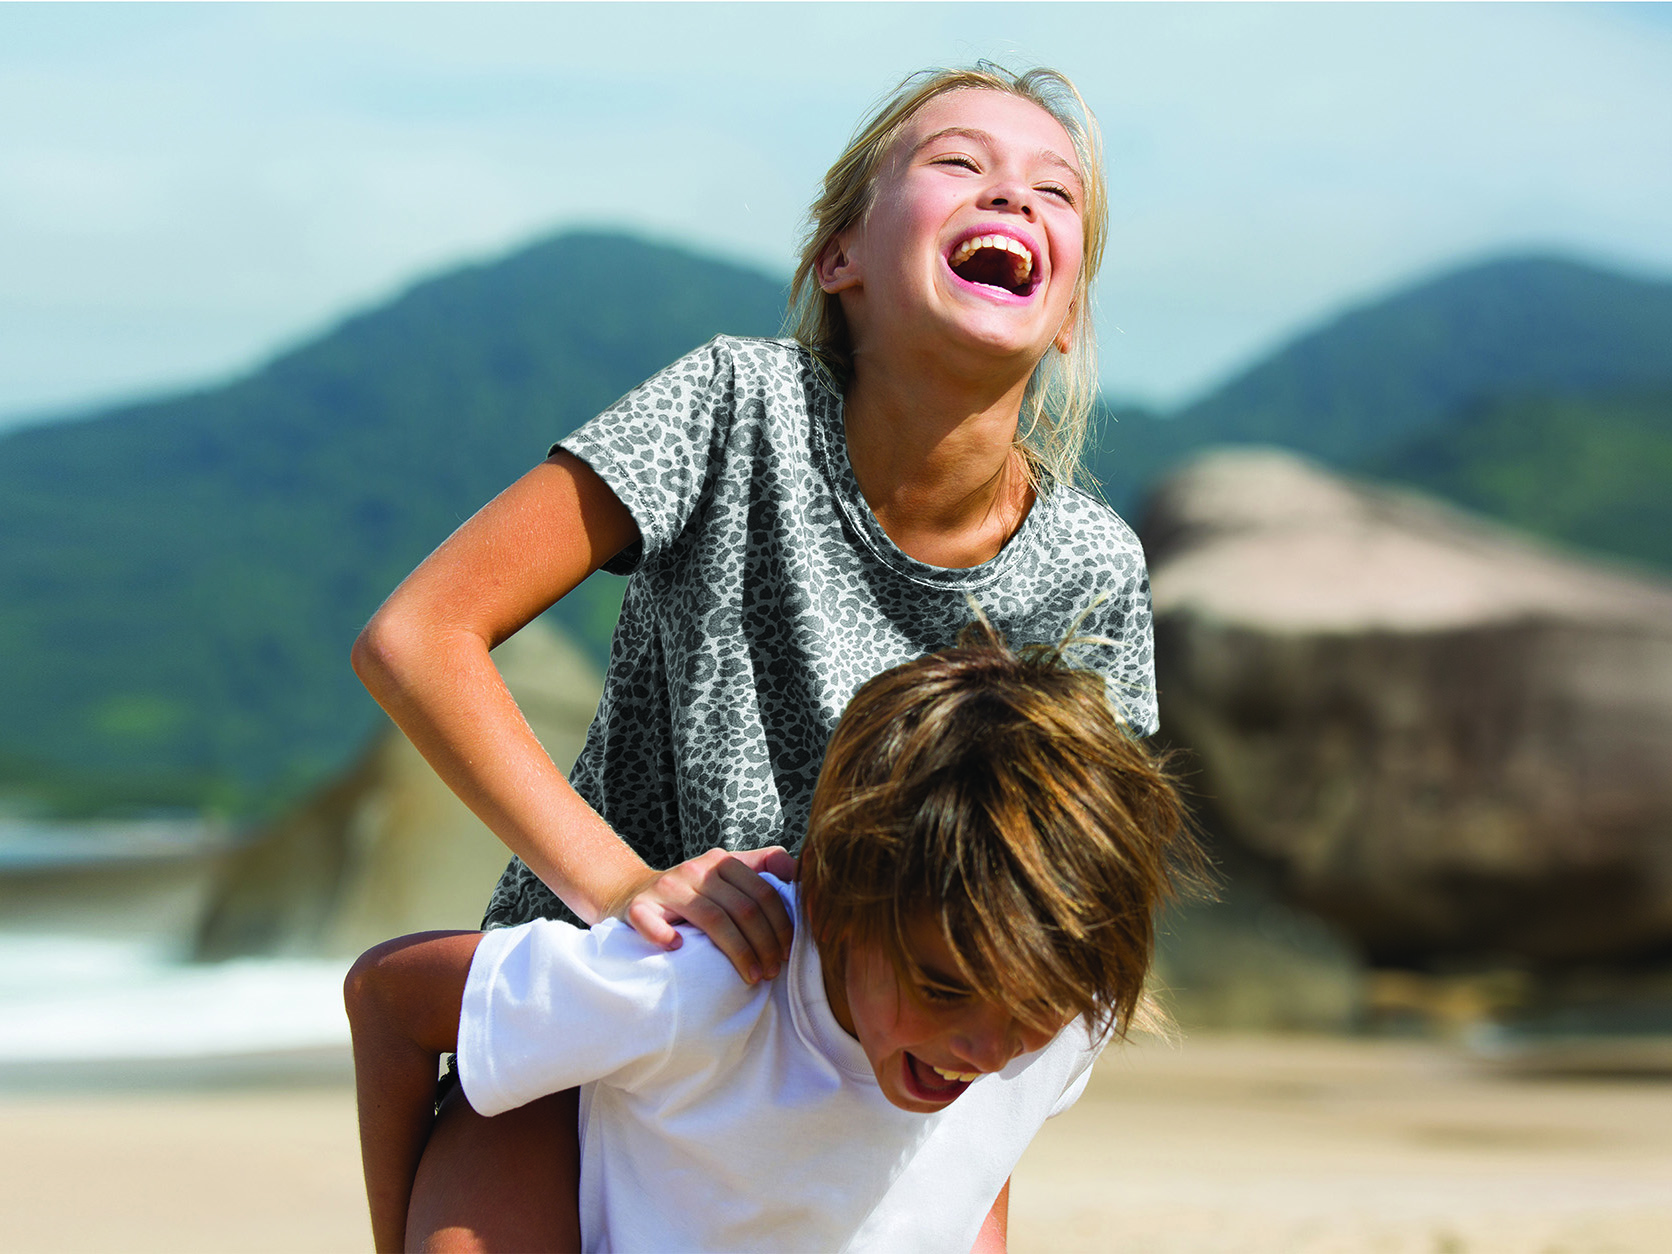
[[1228, 1145], [1319, 1146]]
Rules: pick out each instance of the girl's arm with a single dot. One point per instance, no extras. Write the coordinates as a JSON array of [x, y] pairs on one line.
[[403, 1002], [424, 657]]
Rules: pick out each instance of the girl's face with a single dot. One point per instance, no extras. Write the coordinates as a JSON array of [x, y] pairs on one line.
[[974, 234], [925, 1045]]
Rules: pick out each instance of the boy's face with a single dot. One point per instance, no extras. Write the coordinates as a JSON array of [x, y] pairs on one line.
[[926, 1045]]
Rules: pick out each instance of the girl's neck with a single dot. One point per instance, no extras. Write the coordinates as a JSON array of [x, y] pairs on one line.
[[936, 460]]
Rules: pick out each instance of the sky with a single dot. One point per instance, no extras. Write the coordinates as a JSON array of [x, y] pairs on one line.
[[187, 189]]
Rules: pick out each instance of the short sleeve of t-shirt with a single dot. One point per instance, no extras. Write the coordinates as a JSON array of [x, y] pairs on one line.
[[549, 1006], [661, 480]]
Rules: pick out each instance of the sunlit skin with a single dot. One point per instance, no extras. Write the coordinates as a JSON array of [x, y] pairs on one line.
[[907, 1031], [971, 161], [940, 363]]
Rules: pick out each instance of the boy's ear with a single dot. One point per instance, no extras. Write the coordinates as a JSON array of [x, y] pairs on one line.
[[837, 269]]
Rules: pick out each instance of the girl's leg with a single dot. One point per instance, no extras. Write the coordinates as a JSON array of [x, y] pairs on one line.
[[510, 1183]]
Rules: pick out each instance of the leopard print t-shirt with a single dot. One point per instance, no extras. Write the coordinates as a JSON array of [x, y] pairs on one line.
[[764, 592]]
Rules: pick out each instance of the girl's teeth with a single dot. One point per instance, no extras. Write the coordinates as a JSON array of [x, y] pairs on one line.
[[1024, 259], [962, 1076]]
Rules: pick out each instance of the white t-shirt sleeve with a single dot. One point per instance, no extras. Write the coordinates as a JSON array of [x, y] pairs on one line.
[[1087, 1050], [549, 1006], [1071, 1094]]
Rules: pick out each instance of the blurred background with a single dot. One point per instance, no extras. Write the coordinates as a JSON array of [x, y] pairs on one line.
[[286, 293]]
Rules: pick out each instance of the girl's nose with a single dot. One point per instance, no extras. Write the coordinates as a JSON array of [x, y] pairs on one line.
[[1009, 199]]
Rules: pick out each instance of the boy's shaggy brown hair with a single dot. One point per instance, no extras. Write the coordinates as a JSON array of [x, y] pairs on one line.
[[996, 792]]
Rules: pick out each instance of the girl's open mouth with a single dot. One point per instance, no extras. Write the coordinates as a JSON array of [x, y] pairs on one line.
[[998, 262]]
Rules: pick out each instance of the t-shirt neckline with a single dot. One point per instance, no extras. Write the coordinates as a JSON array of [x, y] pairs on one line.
[[811, 1007], [830, 443]]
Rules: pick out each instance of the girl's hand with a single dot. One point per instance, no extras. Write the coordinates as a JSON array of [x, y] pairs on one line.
[[722, 893]]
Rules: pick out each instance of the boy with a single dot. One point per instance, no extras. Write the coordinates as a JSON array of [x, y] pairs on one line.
[[974, 917]]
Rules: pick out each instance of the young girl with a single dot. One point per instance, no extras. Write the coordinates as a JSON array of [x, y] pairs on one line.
[[796, 516]]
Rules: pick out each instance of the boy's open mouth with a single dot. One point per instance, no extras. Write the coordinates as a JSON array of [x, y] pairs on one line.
[[935, 1085], [996, 261]]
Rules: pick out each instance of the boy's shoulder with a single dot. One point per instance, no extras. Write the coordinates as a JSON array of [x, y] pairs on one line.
[[631, 1013], [695, 980], [696, 970]]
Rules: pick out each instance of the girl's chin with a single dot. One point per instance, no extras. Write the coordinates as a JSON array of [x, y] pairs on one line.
[[1006, 328], [969, 328], [1001, 339]]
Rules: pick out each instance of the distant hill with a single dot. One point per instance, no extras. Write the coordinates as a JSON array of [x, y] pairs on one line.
[[1377, 377], [1592, 471], [180, 581]]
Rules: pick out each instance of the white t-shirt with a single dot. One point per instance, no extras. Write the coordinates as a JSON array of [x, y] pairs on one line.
[[719, 1116]]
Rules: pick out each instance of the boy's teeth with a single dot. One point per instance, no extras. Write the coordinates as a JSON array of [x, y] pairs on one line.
[[963, 1076]]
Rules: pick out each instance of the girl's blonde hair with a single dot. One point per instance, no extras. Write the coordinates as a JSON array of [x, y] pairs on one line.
[[1062, 395]]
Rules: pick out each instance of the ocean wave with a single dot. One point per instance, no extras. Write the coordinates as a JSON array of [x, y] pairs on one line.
[[69, 999]]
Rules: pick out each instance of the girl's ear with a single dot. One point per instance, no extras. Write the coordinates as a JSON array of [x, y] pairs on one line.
[[1065, 333], [836, 267]]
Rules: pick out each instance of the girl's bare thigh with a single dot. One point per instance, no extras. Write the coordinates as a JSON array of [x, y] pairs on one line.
[[510, 1183]]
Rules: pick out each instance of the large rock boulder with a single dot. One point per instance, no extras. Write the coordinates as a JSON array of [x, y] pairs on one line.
[[387, 848], [1448, 739]]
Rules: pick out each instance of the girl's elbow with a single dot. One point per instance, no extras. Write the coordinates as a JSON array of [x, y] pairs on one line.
[[378, 651], [364, 656]]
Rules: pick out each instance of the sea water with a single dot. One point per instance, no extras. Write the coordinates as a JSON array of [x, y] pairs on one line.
[[97, 922], [86, 1000]]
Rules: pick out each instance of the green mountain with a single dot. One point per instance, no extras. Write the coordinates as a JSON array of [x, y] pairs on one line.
[[1380, 376], [180, 581], [1592, 471]]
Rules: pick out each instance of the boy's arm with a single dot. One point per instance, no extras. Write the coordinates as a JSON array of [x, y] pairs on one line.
[[403, 1009]]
